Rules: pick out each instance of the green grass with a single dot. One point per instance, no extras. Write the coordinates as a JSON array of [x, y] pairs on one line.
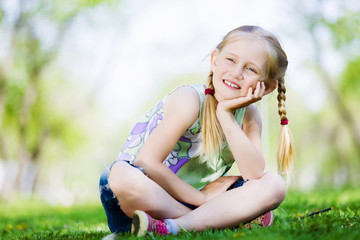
[[37, 220]]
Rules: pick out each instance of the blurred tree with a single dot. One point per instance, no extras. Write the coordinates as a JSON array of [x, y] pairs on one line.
[[346, 37], [27, 119], [342, 90]]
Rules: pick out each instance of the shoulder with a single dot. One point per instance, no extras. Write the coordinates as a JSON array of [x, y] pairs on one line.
[[252, 118], [183, 103]]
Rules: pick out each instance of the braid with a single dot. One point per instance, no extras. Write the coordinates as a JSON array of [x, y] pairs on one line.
[[285, 150], [281, 99]]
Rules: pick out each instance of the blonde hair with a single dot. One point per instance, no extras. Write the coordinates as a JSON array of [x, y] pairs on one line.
[[213, 136]]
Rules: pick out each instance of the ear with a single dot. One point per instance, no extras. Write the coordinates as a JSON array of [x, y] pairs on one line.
[[271, 86], [213, 59]]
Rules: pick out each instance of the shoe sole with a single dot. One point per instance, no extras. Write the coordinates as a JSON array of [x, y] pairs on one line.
[[256, 222], [271, 219], [140, 223]]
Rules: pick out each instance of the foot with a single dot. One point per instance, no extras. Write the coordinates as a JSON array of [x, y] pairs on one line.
[[142, 223], [110, 237], [265, 220]]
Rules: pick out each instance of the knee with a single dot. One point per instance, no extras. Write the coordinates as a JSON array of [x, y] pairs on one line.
[[123, 183], [275, 189]]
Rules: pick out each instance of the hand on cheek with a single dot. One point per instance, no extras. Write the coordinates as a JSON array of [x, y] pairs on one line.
[[240, 102], [259, 90]]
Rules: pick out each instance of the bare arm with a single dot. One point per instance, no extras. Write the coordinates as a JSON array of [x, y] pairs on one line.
[[181, 110], [245, 144]]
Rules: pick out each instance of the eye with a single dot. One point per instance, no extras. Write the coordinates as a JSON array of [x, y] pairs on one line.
[[251, 69], [230, 60]]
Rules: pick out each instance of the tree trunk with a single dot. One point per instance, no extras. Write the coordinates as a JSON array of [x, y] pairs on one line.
[[344, 113]]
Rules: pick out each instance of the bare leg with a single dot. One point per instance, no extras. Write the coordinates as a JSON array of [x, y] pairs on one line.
[[135, 191], [238, 205]]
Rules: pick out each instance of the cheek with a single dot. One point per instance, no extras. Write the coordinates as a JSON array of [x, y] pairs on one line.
[[216, 76], [245, 89], [221, 68], [251, 82]]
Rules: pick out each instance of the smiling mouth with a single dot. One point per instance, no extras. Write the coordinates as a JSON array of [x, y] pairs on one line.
[[230, 84]]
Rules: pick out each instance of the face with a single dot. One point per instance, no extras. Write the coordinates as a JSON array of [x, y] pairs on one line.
[[238, 66]]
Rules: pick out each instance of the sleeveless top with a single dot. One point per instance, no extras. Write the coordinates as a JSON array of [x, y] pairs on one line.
[[184, 159]]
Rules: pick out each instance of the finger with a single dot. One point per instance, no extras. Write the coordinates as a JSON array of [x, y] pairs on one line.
[[233, 179], [250, 92], [228, 178], [262, 89], [257, 90]]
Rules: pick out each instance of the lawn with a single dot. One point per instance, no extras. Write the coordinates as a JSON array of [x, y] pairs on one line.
[[37, 220]]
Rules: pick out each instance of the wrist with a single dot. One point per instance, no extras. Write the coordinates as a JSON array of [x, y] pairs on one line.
[[203, 198], [223, 114]]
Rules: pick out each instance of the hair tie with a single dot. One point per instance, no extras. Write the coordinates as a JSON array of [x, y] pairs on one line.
[[209, 91], [284, 122]]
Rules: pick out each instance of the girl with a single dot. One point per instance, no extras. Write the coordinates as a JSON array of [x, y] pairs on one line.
[[174, 162]]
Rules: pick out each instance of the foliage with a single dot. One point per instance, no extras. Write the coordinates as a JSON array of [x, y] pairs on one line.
[[29, 120], [328, 145], [350, 84], [346, 32], [41, 221]]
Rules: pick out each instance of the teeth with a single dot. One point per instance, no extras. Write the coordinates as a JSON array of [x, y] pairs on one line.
[[231, 84]]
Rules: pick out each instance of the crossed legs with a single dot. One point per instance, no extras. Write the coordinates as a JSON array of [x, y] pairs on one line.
[[135, 191]]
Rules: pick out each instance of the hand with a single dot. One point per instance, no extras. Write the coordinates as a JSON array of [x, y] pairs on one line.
[[231, 105], [220, 185]]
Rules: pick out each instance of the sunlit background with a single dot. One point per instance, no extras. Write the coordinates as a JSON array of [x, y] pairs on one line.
[[75, 76]]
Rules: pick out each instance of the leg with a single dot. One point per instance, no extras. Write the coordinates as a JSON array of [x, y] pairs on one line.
[[135, 191], [238, 205], [116, 218]]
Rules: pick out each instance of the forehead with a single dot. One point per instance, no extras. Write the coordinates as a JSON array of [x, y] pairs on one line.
[[249, 49]]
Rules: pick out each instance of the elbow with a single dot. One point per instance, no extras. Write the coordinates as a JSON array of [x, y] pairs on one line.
[[259, 172], [142, 161], [256, 172], [147, 167], [139, 162], [255, 176]]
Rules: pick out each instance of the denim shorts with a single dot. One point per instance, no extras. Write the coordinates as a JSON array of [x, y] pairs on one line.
[[118, 222]]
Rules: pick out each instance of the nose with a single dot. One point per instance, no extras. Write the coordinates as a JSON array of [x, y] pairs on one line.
[[238, 72]]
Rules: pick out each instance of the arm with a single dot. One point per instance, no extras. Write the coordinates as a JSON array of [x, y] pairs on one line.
[[245, 144], [181, 110]]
